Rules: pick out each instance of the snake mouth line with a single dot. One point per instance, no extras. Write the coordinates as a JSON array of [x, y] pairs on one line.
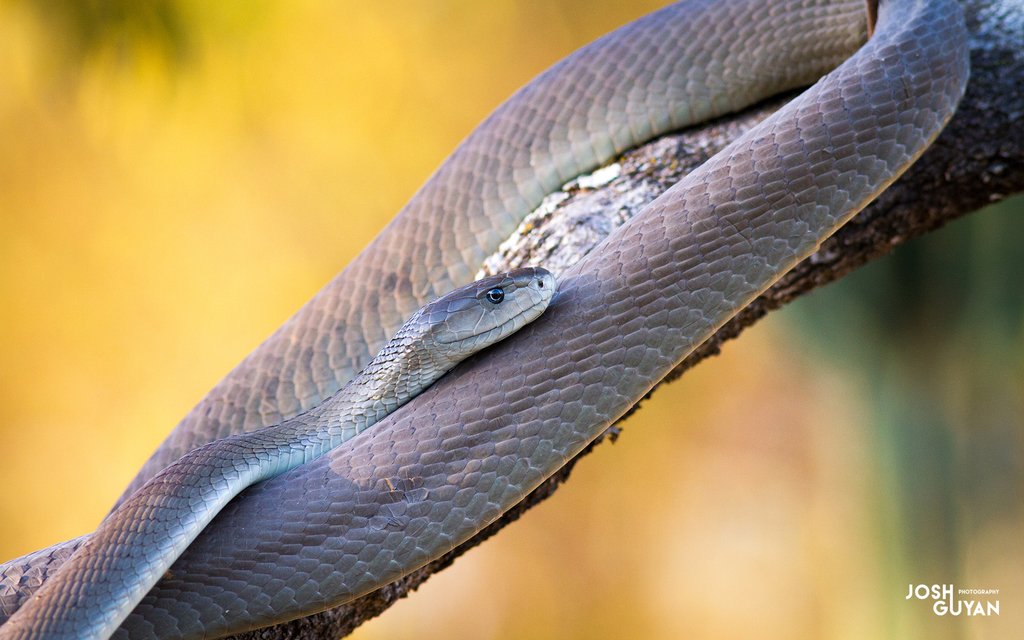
[[540, 305]]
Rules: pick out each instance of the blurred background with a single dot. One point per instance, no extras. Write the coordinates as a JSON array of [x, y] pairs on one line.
[[176, 178]]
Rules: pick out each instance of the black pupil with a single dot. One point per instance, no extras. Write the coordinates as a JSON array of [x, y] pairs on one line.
[[496, 295]]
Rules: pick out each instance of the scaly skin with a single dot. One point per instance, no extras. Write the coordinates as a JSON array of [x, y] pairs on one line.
[[466, 450], [103, 581], [679, 66]]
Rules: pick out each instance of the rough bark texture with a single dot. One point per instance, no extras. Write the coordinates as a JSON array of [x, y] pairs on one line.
[[978, 160]]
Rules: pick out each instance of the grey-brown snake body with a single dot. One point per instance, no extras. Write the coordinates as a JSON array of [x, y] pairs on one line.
[[433, 474], [135, 545]]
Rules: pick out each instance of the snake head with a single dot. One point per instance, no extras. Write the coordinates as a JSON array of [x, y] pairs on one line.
[[481, 313]]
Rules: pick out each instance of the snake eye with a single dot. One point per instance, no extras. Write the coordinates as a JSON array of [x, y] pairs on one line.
[[495, 295]]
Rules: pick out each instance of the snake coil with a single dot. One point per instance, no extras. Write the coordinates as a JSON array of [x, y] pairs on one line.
[[459, 455]]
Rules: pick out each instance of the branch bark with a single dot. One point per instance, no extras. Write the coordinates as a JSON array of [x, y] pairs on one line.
[[978, 160]]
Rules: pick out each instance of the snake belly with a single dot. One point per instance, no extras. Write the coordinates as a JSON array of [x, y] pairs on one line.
[[472, 446]]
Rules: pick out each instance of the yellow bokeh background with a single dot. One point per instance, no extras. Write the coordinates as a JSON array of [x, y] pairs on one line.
[[177, 178]]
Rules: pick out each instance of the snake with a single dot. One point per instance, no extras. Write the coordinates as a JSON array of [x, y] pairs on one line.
[[436, 472], [104, 580]]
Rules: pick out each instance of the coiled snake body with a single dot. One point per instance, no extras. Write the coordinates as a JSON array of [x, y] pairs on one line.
[[135, 545], [427, 478]]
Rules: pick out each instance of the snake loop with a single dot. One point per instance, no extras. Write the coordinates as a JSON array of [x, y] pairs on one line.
[[431, 476]]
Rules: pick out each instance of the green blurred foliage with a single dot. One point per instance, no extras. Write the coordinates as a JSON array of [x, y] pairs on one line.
[[935, 335], [84, 29]]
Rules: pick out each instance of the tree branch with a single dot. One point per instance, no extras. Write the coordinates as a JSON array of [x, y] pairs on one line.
[[978, 160]]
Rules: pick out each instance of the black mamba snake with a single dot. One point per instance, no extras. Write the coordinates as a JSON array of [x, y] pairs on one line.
[[428, 477], [106, 577]]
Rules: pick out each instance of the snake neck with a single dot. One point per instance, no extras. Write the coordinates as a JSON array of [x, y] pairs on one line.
[[403, 368]]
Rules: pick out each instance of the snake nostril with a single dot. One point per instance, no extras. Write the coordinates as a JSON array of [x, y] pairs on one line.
[[540, 284]]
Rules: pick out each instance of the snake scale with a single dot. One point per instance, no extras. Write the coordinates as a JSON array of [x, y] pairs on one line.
[[104, 580], [428, 477]]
